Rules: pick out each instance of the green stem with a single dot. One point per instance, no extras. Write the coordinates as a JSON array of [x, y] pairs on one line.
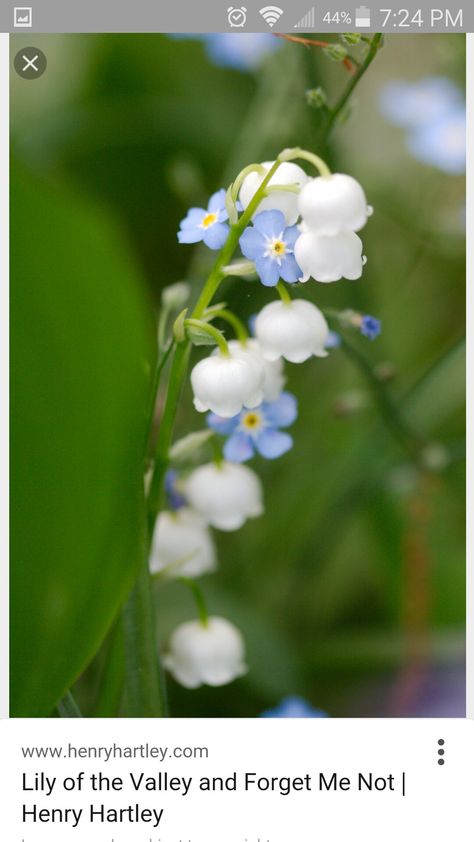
[[283, 188], [198, 597], [399, 428], [145, 690], [111, 682], [237, 184], [67, 707], [283, 292], [304, 155], [154, 393], [347, 93], [212, 331], [217, 274], [163, 318], [238, 326], [165, 433]]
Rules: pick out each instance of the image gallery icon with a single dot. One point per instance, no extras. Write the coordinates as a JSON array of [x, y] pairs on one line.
[[237, 16], [22, 16]]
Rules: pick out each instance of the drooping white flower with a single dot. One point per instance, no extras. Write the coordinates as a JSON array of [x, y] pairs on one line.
[[225, 384], [333, 203], [211, 654], [287, 203], [273, 370], [182, 545], [225, 495], [328, 258], [296, 330]]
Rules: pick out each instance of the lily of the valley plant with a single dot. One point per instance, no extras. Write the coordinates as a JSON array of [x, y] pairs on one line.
[[285, 226]]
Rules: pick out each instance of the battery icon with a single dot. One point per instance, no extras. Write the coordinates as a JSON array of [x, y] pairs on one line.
[[362, 16]]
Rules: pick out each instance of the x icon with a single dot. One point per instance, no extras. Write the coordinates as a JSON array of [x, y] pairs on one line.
[[30, 63]]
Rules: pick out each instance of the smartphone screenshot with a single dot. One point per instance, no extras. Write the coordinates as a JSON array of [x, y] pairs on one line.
[[236, 574]]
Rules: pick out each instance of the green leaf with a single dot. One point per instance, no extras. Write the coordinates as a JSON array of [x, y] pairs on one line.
[[198, 336], [81, 353], [442, 391], [179, 332]]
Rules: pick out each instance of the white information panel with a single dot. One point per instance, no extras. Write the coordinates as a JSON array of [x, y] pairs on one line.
[[237, 780]]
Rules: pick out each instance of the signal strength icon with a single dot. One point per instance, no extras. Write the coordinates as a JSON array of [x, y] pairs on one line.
[[271, 14], [307, 21]]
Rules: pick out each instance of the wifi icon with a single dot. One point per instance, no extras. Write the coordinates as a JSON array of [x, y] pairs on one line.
[[271, 14]]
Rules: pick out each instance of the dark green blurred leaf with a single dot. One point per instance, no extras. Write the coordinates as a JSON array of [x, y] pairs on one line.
[[80, 357], [442, 391]]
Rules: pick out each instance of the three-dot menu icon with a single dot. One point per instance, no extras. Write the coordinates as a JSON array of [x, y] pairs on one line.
[[441, 753]]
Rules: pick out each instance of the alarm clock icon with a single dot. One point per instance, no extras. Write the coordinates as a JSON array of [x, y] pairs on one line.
[[237, 16]]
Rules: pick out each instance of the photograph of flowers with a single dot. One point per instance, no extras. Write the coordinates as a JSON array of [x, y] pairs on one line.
[[238, 377]]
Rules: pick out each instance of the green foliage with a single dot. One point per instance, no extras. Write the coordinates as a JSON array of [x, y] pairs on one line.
[[80, 356]]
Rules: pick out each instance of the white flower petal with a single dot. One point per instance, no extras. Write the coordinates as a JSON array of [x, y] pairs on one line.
[[295, 331], [287, 203], [225, 385], [182, 545], [213, 654], [328, 258], [225, 495], [329, 204]]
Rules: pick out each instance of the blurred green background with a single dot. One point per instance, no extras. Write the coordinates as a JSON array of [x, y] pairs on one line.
[[350, 591]]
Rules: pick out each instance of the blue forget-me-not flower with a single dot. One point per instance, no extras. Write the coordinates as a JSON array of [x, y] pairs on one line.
[[257, 430], [209, 225], [294, 707], [239, 50], [370, 327], [433, 112], [174, 497], [270, 244]]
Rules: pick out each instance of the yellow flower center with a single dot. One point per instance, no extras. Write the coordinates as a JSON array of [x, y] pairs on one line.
[[209, 219], [251, 421], [278, 248]]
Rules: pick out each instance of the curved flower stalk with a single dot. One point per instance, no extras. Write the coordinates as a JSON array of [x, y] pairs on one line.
[[290, 225]]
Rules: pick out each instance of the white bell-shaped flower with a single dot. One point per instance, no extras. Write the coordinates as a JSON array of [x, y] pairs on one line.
[[333, 203], [226, 384], [225, 495], [328, 258], [182, 545], [295, 330], [211, 654], [286, 202], [273, 370]]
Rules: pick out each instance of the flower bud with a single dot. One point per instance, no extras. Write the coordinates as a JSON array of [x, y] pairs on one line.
[[182, 545], [212, 654], [287, 203], [351, 38], [316, 97], [175, 296], [336, 52], [225, 495], [333, 203], [296, 331]]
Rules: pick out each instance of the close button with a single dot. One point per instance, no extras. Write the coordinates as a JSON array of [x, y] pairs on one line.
[[30, 63]]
